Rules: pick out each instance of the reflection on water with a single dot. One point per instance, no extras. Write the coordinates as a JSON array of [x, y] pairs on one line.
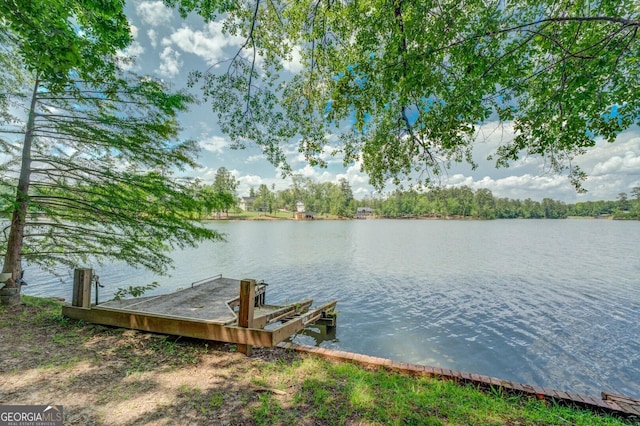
[[316, 335], [551, 303]]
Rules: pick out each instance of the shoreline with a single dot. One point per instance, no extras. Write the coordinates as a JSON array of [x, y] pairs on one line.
[[269, 218], [109, 376], [609, 402]]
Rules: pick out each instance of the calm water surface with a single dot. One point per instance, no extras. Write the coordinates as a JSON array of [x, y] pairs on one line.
[[551, 303]]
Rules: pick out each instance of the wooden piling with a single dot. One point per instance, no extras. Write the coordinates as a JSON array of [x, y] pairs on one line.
[[245, 312], [82, 287]]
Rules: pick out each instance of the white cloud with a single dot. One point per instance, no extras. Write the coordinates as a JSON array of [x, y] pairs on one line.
[[134, 50], [170, 63], [208, 174], [254, 181], [518, 187], [354, 176], [214, 144], [358, 181], [154, 13], [153, 37], [617, 164], [611, 168], [628, 140], [209, 43], [612, 165], [250, 180], [604, 187], [297, 158], [134, 31], [247, 182], [558, 187], [307, 171], [254, 159], [294, 64], [527, 162], [205, 174], [330, 157], [460, 180]]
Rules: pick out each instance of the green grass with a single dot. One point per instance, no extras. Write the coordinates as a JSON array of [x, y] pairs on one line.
[[49, 309], [241, 215], [157, 353], [283, 388], [335, 394]]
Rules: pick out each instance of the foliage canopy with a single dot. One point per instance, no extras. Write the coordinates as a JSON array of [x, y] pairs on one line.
[[90, 150], [405, 85]]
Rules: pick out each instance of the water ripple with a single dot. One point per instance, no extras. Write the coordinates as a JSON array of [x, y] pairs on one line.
[[551, 303]]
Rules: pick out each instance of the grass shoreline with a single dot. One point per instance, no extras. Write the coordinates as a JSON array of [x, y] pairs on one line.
[[279, 215], [110, 376]]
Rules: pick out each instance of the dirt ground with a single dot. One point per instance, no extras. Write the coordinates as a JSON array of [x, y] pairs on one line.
[[103, 375]]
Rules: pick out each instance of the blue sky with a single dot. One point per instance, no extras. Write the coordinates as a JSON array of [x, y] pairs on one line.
[[169, 47]]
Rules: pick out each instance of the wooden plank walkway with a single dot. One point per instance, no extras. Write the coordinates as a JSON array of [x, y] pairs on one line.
[[621, 405], [210, 300], [209, 310], [628, 404]]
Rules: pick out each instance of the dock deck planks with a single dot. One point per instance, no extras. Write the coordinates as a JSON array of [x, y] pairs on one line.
[[205, 311], [207, 301]]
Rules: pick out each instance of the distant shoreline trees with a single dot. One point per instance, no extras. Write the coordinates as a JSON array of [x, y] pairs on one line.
[[460, 202]]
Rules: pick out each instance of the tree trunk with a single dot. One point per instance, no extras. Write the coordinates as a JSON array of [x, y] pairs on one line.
[[13, 257]]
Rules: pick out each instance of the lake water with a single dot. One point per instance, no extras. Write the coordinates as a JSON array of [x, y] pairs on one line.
[[550, 303]]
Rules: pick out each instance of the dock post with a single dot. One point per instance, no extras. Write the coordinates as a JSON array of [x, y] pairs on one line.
[[245, 312], [82, 287]]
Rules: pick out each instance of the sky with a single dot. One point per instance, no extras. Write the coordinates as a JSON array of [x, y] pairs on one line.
[[168, 47]]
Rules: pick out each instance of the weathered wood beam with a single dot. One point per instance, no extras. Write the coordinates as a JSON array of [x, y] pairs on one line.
[[245, 312], [299, 323], [82, 287], [283, 312], [168, 324], [261, 290]]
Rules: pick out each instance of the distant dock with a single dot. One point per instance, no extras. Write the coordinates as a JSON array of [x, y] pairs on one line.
[[218, 308]]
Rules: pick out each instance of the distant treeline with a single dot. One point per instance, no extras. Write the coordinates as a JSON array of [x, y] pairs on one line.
[[461, 202], [464, 202]]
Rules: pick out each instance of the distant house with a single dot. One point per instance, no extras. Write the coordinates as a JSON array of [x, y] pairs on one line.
[[364, 212], [246, 203], [301, 213], [304, 215]]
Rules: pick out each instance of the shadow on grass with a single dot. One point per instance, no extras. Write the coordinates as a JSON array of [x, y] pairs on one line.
[[104, 375]]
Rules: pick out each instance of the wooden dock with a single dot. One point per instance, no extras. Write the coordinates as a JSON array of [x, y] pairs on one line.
[[221, 309]]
